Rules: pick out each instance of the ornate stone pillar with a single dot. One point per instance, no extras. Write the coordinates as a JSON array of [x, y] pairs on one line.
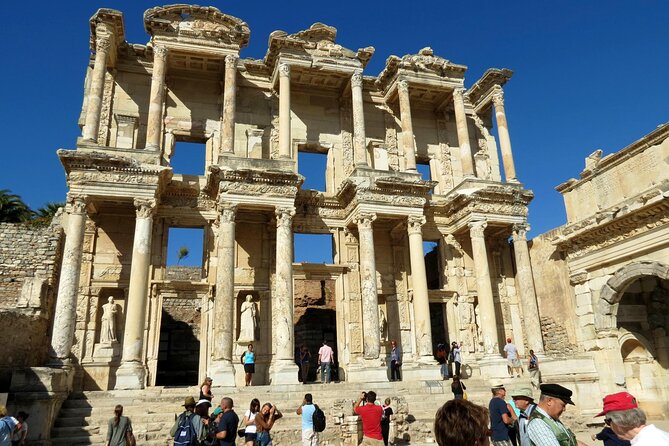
[[504, 139], [359, 139], [284, 111], [283, 369], [484, 288], [68, 284], [96, 89], [407, 125], [466, 157], [370, 301], [421, 303], [154, 125], [132, 372], [229, 104], [225, 295], [527, 294]]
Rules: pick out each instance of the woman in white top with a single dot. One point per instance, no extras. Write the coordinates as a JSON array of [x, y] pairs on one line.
[[250, 422]]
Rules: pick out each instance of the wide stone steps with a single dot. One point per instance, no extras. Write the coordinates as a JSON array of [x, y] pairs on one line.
[[83, 417]]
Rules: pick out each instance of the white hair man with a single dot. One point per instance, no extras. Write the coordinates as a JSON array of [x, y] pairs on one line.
[[628, 422]]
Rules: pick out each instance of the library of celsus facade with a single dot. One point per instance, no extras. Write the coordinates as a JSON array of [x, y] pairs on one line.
[[253, 119]]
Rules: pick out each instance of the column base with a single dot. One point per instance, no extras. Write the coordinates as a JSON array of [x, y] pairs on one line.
[[222, 373], [368, 371], [493, 367], [130, 376], [421, 370], [282, 372]]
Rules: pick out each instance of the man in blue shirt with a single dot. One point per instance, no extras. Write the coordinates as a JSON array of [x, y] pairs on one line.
[[500, 417], [307, 409]]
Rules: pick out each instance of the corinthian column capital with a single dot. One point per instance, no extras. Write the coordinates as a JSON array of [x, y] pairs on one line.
[[364, 220], [160, 53], [356, 79], [227, 212], [520, 231], [477, 228], [76, 204], [403, 86], [144, 208], [415, 224], [102, 44], [231, 61], [284, 216], [284, 69], [498, 97], [458, 93]]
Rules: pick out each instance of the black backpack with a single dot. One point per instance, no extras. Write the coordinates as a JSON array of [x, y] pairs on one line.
[[318, 419]]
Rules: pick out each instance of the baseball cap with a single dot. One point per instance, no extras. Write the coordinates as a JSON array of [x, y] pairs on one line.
[[618, 401]]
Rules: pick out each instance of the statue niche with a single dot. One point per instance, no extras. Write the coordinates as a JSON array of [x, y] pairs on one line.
[[248, 320], [108, 322]]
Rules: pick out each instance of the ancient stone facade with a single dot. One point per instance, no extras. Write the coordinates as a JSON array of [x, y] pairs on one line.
[[604, 276]]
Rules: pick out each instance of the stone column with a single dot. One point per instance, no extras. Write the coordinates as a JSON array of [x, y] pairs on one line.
[[484, 288], [284, 111], [526, 292], [421, 303], [359, 139], [283, 369], [466, 157], [225, 288], [407, 125], [229, 104], [68, 284], [96, 89], [370, 301], [132, 372], [504, 139], [154, 125]]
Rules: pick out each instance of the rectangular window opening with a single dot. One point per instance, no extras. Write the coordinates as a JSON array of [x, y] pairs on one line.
[[314, 248], [432, 264], [313, 166], [185, 253], [189, 157], [423, 167]]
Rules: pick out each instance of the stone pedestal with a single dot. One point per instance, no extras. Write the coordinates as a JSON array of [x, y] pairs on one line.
[[223, 373], [131, 375], [421, 371], [106, 352], [368, 371], [283, 372], [493, 367]]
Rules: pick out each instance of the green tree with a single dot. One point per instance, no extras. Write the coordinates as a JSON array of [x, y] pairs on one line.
[[45, 214], [12, 208], [182, 254]]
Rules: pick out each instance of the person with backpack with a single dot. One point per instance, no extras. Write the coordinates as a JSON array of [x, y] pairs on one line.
[[264, 422], [188, 428], [307, 409], [371, 415]]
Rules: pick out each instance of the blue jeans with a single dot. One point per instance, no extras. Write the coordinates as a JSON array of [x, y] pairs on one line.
[[263, 439], [444, 370], [325, 372]]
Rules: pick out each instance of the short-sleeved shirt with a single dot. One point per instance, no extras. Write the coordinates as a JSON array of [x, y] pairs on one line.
[[325, 353], [249, 357], [371, 420], [116, 432], [229, 422], [511, 351], [7, 426], [308, 416], [499, 429]]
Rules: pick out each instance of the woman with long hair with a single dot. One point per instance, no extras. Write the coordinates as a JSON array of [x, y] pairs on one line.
[[249, 361], [264, 421], [119, 429], [458, 388], [250, 422], [205, 390]]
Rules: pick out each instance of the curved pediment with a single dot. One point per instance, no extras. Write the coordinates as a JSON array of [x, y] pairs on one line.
[[423, 62], [199, 22]]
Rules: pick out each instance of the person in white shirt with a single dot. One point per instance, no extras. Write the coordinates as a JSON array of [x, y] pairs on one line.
[[325, 360], [622, 414]]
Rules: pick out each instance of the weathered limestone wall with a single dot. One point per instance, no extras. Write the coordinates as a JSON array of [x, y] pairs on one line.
[[29, 264], [555, 294]]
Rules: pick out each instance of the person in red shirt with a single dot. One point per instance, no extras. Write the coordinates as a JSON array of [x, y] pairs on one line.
[[370, 414]]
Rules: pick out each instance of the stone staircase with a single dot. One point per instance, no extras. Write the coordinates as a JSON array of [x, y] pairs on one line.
[[83, 417]]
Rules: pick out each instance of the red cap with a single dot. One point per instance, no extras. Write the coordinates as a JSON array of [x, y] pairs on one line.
[[618, 401]]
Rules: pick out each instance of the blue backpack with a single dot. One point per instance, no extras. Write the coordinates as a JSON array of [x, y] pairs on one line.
[[185, 434]]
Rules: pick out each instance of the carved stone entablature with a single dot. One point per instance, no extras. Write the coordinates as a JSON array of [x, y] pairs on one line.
[[493, 199], [257, 182], [311, 202], [84, 168], [187, 198], [578, 277], [481, 93], [316, 42], [106, 23], [589, 235], [396, 190], [200, 23], [423, 62]]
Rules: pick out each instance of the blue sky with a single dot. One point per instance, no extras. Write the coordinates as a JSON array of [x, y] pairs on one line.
[[588, 74]]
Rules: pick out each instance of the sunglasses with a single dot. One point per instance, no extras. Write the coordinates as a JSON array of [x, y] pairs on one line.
[[607, 421]]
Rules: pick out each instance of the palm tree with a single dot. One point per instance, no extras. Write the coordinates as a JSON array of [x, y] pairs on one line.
[[45, 214], [12, 208], [182, 254]]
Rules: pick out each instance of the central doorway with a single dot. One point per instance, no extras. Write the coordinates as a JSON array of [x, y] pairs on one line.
[[179, 345], [315, 320]]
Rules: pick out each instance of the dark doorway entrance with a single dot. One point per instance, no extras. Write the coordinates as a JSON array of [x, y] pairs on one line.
[[179, 351], [438, 325]]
